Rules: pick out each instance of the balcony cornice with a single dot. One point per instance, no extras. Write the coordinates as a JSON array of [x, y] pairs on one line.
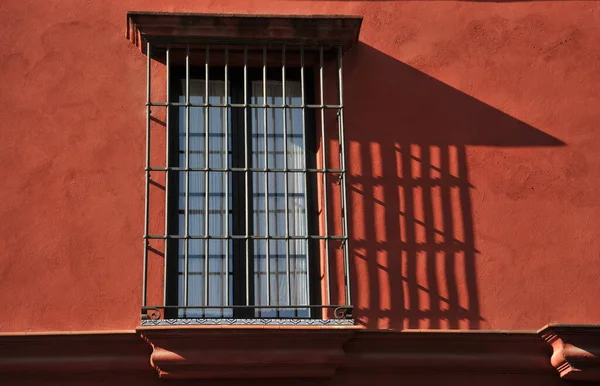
[[237, 352], [216, 352], [447, 351], [55, 353]]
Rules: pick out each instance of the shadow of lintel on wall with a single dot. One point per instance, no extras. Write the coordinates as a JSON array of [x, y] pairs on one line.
[[407, 135]]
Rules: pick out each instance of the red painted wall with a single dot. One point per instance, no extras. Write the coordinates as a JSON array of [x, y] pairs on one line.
[[472, 147]]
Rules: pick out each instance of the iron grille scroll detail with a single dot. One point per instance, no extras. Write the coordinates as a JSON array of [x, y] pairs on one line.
[[242, 141], [153, 316]]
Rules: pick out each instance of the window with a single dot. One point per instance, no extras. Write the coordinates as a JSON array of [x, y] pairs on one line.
[[254, 181], [238, 200]]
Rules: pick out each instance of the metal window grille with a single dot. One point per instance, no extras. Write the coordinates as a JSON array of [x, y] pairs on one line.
[[243, 140]]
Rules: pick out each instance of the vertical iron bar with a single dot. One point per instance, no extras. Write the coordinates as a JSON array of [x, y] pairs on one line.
[[226, 126], [285, 176], [324, 175], [268, 241], [305, 172], [246, 166], [206, 175], [343, 181], [186, 255], [147, 174], [168, 75]]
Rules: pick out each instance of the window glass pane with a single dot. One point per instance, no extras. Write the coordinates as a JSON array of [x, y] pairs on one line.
[[275, 200], [218, 158], [210, 263]]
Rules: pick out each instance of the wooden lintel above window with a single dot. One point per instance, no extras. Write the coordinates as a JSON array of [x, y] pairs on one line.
[[199, 28]]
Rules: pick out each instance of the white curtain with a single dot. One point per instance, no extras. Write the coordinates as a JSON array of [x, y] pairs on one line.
[[279, 294], [219, 150], [296, 216]]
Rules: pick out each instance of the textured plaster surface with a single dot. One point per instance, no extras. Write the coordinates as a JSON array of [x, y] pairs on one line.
[[472, 152]]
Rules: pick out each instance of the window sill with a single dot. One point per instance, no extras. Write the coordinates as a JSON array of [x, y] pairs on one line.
[[247, 322], [258, 351]]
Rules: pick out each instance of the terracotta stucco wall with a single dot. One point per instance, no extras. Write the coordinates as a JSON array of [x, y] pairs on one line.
[[472, 146]]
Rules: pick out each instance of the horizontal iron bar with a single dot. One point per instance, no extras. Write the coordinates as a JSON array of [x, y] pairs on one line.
[[222, 211], [234, 169], [283, 307], [241, 105], [241, 237]]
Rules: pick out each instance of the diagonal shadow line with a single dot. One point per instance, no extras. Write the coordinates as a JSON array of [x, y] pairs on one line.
[[395, 116]]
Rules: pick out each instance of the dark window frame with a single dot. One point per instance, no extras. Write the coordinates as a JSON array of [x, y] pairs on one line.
[[236, 78]]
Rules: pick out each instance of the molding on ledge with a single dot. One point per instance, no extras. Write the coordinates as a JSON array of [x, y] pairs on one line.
[[576, 348], [70, 353], [276, 352], [213, 352], [448, 351]]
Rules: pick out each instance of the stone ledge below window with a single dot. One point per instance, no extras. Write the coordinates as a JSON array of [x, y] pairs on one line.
[[281, 322], [238, 352], [253, 352]]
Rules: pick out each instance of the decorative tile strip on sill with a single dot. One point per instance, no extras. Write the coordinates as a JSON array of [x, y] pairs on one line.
[[248, 322]]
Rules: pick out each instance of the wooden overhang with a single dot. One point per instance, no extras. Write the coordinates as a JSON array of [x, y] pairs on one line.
[[205, 28]]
